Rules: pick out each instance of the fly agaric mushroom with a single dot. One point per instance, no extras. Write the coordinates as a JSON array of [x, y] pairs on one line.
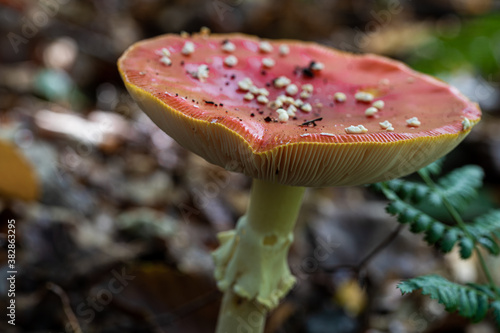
[[204, 104]]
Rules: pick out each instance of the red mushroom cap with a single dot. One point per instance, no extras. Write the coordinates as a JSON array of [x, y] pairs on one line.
[[211, 116]]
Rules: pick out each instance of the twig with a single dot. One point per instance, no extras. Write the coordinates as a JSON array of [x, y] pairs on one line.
[[311, 122], [382, 245], [66, 306], [388, 240]]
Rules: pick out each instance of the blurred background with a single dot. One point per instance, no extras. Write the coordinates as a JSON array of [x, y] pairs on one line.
[[115, 222]]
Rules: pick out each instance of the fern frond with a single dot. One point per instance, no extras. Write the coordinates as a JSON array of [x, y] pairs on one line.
[[468, 301], [406, 213], [419, 221], [434, 168], [407, 190], [449, 239], [484, 288], [487, 224], [489, 244], [435, 232], [460, 186], [495, 306], [454, 191], [457, 188], [485, 230], [466, 247]]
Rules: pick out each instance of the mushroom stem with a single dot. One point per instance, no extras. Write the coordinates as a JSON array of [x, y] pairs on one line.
[[251, 263], [240, 315]]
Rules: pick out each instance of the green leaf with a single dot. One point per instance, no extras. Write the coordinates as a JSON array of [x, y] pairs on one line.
[[489, 244], [469, 305], [495, 307], [421, 192], [482, 308], [469, 302], [460, 186], [484, 229], [394, 184], [486, 224], [434, 233], [409, 215], [396, 207], [466, 247], [407, 190], [457, 188], [449, 240], [483, 288], [435, 199], [421, 223], [434, 168], [377, 186]]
